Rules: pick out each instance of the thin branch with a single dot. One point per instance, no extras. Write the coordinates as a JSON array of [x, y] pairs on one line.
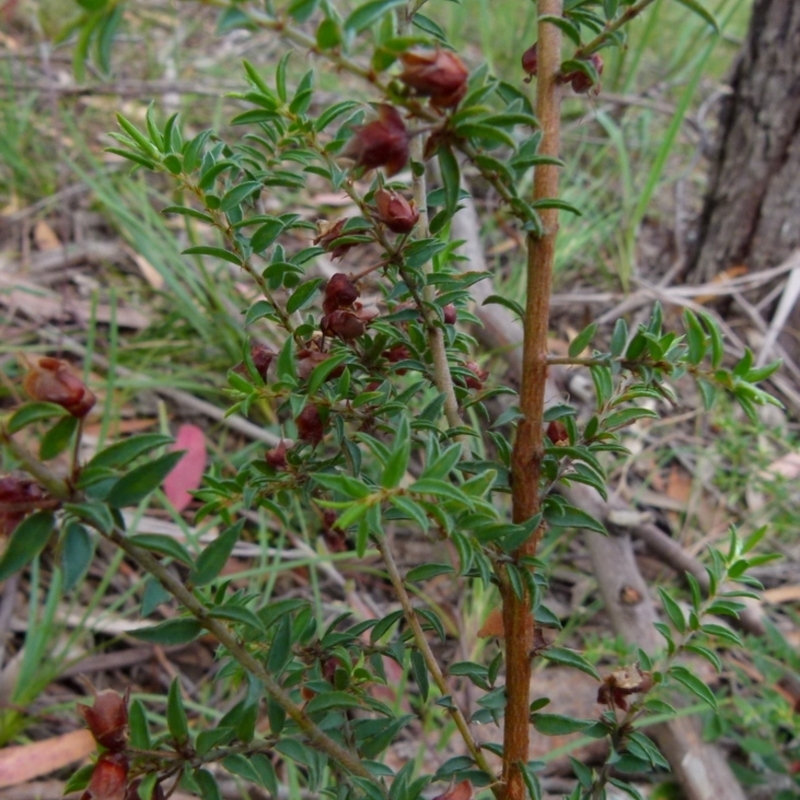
[[612, 28], [345, 758], [427, 654], [57, 487]]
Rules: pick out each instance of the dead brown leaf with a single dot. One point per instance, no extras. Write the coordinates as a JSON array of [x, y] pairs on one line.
[[28, 761]]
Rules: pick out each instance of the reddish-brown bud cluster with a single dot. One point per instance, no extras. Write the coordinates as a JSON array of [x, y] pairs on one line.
[[478, 376], [621, 683], [52, 381], [19, 495], [276, 456], [344, 316], [107, 719], [438, 74], [450, 314], [310, 427], [380, 143], [395, 212], [581, 82], [530, 61]]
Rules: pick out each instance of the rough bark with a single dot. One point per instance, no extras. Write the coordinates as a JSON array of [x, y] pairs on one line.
[[752, 209]]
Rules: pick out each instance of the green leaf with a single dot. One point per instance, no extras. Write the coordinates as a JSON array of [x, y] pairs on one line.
[[698, 8], [173, 631], [28, 540], [429, 26], [441, 489], [77, 551], [95, 514], [33, 412], [673, 611], [216, 252], [280, 650], [566, 516], [558, 724], [265, 235], [397, 462], [211, 561], [695, 337], [122, 453], [132, 488], [448, 164], [569, 658], [237, 195], [321, 372], [420, 672], [301, 10], [330, 701], [578, 344], [425, 572], [706, 653], [507, 302], [163, 545], [176, 714], [555, 202], [139, 729], [350, 487], [567, 26], [58, 438], [303, 295], [694, 685], [362, 17], [411, 509]]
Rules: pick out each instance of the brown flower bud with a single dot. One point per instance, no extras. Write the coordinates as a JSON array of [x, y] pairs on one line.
[[530, 61], [622, 682], [340, 292], [475, 381], [557, 432], [329, 232], [581, 82], [397, 352], [380, 143], [450, 314], [51, 381], [438, 74], [109, 779], [395, 212], [309, 423], [276, 456], [262, 358], [107, 719], [344, 324]]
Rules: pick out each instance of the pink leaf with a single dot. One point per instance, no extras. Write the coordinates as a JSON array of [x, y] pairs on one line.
[[187, 474]]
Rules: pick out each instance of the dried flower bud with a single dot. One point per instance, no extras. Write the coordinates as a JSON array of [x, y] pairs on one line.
[[530, 61], [380, 143], [340, 292], [107, 719], [397, 352], [276, 456], [395, 212], [557, 432], [438, 74], [109, 779], [344, 324], [450, 314], [329, 232], [51, 381], [309, 423], [581, 82], [262, 358], [475, 381], [460, 791], [621, 683]]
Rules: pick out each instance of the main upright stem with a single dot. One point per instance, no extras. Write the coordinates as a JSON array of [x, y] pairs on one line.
[[529, 443]]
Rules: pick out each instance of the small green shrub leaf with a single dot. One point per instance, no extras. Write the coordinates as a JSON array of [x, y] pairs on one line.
[[132, 488], [28, 540]]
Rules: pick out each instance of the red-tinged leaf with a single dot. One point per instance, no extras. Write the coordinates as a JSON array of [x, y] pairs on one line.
[[187, 474]]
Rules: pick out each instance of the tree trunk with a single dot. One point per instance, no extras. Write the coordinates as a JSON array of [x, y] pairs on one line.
[[752, 211]]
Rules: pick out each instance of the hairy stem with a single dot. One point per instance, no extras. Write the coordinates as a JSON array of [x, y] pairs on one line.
[[529, 444], [345, 758]]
